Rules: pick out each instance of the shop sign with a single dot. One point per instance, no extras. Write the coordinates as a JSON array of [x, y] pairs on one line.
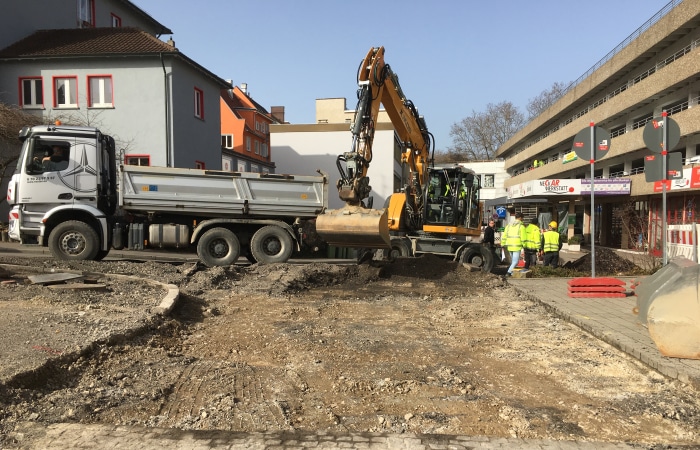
[[607, 186], [557, 187]]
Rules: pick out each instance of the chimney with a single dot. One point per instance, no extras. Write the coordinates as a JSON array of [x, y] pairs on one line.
[[278, 113], [244, 88], [171, 42]]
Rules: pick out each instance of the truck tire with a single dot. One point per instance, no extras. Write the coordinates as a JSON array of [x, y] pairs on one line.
[[218, 247], [249, 256], [74, 240], [271, 244], [480, 256], [101, 254]]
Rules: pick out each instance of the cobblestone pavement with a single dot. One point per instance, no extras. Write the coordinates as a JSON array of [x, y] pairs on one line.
[[75, 436]]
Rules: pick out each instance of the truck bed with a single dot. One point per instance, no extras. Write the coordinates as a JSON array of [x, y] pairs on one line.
[[221, 194]]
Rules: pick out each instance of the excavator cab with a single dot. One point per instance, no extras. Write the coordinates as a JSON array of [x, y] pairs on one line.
[[452, 198]]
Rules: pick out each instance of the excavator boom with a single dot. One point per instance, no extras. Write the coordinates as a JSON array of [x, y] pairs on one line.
[[357, 224]]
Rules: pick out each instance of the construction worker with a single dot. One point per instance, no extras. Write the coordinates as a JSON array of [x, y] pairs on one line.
[[532, 243], [551, 244], [513, 238]]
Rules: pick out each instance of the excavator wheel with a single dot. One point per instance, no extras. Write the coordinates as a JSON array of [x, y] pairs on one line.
[[479, 256], [400, 248]]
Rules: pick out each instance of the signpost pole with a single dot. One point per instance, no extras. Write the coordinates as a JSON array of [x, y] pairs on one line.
[[592, 219], [664, 169]]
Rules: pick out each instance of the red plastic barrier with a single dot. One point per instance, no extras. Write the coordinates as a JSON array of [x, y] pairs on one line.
[[597, 294], [597, 289], [588, 281]]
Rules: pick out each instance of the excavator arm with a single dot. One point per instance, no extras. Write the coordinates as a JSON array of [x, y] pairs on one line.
[[357, 224], [379, 85]]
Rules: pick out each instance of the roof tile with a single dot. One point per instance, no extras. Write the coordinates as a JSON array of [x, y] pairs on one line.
[[86, 41]]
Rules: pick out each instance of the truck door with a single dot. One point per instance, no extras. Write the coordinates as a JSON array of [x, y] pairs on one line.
[[59, 171]]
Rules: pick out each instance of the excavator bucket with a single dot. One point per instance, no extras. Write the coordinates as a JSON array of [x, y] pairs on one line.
[[669, 305], [354, 226]]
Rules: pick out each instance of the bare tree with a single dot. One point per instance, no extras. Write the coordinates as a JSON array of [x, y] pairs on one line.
[[635, 224], [538, 104], [478, 136], [89, 118], [12, 120]]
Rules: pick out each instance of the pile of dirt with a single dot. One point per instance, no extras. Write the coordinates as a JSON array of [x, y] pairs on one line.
[[607, 262]]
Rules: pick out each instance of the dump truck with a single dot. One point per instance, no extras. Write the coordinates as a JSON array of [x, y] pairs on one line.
[[70, 194]]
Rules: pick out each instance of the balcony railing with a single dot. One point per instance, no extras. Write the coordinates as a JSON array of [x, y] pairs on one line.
[[636, 79]]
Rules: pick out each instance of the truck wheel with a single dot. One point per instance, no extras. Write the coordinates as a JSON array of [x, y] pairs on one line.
[[249, 256], [271, 244], [74, 240], [101, 254], [218, 247]]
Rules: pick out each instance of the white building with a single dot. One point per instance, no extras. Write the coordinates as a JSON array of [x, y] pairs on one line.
[[303, 149]]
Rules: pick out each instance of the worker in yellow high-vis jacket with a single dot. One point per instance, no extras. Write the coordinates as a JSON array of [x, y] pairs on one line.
[[551, 244], [512, 239], [532, 243]]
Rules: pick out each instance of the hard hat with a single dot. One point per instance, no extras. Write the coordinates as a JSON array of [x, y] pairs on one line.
[[553, 224]]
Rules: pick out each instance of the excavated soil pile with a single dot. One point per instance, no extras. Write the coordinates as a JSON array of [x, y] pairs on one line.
[[607, 262], [421, 346]]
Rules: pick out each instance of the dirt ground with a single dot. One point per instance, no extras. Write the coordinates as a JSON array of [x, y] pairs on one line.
[[421, 345]]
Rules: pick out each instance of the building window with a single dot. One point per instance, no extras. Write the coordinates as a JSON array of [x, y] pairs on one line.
[[86, 13], [116, 20], [137, 160], [100, 92], [65, 92], [254, 168], [227, 141], [489, 181], [198, 103], [32, 93], [257, 147], [264, 151], [241, 166], [199, 165], [247, 143]]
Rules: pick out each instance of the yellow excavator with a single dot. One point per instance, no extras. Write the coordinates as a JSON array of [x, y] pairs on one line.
[[436, 211]]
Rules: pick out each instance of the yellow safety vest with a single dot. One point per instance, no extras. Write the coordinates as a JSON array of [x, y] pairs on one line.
[[514, 234], [551, 241], [532, 237]]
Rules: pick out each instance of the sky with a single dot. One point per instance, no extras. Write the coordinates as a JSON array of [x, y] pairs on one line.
[[453, 57]]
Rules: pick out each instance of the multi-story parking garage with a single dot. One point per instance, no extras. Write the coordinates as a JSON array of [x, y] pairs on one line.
[[655, 69]]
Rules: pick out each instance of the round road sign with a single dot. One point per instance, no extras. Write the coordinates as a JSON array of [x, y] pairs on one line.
[[582, 143], [654, 134]]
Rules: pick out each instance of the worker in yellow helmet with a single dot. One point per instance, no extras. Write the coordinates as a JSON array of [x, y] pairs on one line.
[[551, 244]]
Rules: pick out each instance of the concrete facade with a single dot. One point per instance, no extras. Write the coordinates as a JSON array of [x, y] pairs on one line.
[[656, 69]]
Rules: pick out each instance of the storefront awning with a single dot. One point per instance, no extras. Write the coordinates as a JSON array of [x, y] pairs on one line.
[[512, 201]]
